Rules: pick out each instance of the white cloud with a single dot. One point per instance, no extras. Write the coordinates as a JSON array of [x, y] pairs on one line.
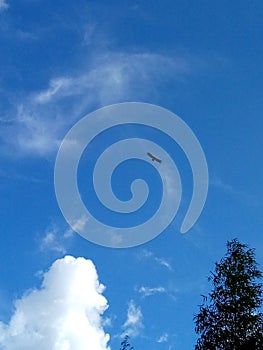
[[163, 338], [218, 183], [115, 75], [147, 291], [50, 242], [3, 5], [55, 240], [231, 190], [107, 322], [42, 119], [56, 86], [148, 255], [134, 323], [80, 223], [36, 133], [18, 177], [163, 262], [64, 314]]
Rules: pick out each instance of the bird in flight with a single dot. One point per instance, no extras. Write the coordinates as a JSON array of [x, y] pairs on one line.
[[153, 158]]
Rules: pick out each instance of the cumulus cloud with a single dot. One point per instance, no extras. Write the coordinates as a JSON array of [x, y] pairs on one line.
[[3, 5], [134, 322], [64, 314]]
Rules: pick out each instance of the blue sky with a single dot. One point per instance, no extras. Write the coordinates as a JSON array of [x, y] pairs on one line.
[[61, 60]]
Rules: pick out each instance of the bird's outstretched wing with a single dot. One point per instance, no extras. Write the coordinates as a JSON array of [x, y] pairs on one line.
[[153, 158]]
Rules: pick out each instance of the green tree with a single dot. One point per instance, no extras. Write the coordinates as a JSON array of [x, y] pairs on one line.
[[230, 317], [125, 344]]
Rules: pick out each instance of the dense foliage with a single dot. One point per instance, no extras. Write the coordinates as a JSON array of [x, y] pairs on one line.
[[230, 317], [125, 344]]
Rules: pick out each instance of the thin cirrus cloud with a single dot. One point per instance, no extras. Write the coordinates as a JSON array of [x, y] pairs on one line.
[[54, 240], [148, 291], [231, 190], [65, 313], [163, 338], [41, 120], [134, 322], [3, 5], [50, 242], [148, 255], [115, 75]]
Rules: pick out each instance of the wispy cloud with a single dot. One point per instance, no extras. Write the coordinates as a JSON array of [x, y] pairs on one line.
[[148, 255], [115, 75], [134, 323], [148, 291], [65, 313], [57, 86], [220, 184], [42, 118], [3, 5], [163, 338], [55, 240], [18, 177], [163, 262], [231, 190], [36, 133]]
